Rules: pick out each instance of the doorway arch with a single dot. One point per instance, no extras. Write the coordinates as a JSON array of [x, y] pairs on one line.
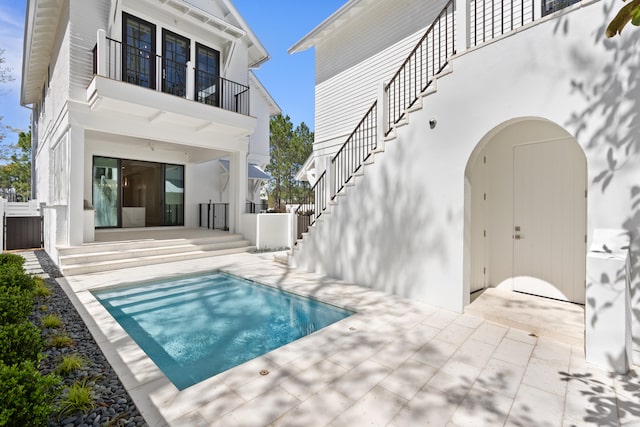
[[525, 209]]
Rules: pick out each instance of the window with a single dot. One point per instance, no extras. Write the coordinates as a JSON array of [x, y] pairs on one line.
[[175, 54], [138, 50], [207, 73]]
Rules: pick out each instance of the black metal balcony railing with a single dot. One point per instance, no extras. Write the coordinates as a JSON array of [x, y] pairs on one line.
[[220, 92], [214, 216], [143, 68]]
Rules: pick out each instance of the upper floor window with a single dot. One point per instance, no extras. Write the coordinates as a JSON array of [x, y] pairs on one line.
[[139, 59], [207, 74], [175, 54]]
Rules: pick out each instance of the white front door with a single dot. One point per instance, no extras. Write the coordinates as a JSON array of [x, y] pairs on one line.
[[549, 225]]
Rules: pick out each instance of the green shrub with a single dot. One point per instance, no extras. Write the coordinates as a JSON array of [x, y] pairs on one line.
[[50, 321], [78, 398], [12, 259], [70, 363], [15, 305], [19, 342], [13, 276], [26, 396]]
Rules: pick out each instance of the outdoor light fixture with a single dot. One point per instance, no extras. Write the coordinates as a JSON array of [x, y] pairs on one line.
[[432, 123]]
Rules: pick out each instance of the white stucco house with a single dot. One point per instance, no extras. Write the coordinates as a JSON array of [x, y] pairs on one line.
[[142, 110], [468, 144]]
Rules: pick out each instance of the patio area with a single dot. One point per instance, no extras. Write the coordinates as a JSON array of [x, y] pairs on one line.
[[395, 363]]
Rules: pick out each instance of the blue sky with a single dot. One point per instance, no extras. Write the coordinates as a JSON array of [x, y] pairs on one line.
[[277, 23]]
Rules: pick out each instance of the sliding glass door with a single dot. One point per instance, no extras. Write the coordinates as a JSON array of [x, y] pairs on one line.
[[106, 191], [136, 193]]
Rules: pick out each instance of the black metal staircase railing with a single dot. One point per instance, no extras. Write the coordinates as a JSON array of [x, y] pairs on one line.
[[425, 61], [313, 203], [356, 150]]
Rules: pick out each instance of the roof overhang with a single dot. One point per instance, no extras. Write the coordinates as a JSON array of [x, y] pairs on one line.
[[254, 82], [41, 23], [339, 17], [253, 171]]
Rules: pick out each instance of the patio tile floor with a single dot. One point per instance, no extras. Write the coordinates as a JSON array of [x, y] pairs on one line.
[[393, 363]]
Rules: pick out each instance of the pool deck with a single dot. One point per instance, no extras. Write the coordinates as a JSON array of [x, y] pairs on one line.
[[395, 363]]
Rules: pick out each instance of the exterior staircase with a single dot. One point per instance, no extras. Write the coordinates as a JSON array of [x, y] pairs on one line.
[[105, 256], [404, 94]]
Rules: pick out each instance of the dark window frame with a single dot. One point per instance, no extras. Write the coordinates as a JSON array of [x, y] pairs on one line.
[[126, 17]]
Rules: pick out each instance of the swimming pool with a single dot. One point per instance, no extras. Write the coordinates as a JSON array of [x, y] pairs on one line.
[[195, 327]]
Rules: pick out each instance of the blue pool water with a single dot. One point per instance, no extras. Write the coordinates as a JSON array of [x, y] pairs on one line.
[[195, 327]]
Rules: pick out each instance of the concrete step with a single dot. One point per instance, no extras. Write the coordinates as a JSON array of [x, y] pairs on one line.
[[198, 252], [169, 248], [122, 245]]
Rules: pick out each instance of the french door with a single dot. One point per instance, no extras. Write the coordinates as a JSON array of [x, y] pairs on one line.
[[139, 51], [175, 55], [207, 75]]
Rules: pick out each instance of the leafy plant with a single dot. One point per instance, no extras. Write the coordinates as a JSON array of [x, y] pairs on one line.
[[13, 276], [78, 398], [26, 396], [60, 340], [13, 259], [15, 305], [50, 321], [70, 363], [41, 288], [19, 342], [628, 13]]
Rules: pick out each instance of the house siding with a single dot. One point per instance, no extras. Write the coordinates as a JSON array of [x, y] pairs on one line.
[[355, 60], [85, 17]]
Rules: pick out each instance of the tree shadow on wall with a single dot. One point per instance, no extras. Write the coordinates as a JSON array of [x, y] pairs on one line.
[[609, 125]]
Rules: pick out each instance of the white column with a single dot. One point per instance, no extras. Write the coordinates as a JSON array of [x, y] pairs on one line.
[[101, 53], [237, 189], [190, 86], [75, 198], [461, 24]]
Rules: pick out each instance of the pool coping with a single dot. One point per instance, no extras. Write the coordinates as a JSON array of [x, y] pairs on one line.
[[158, 400]]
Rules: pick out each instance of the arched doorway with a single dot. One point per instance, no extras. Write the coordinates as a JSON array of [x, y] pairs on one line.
[[526, 210]]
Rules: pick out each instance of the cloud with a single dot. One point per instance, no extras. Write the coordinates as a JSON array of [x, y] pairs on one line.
[[11, 34]]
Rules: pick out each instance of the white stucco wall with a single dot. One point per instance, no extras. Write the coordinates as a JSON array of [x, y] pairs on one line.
[[402, 227]]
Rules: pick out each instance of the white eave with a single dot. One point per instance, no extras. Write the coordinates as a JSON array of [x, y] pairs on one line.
[[257, 53], [339, 17], [274, 108], [41, 23]]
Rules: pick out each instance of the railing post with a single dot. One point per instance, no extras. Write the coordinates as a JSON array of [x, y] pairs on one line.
[[191, 81], [101, 53], [537, 9], [382, 124], [461, 16]]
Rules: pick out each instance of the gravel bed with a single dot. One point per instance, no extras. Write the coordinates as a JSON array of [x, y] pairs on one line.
[[113, 405]]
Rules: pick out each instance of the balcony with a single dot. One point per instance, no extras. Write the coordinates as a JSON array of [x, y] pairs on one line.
[[129, 64], [140, 94]]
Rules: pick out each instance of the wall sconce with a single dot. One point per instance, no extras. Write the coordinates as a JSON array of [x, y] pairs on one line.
[[433, 123]]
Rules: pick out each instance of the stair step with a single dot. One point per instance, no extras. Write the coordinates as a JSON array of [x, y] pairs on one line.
[[94, 267], [113, 255], [143, 244]]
